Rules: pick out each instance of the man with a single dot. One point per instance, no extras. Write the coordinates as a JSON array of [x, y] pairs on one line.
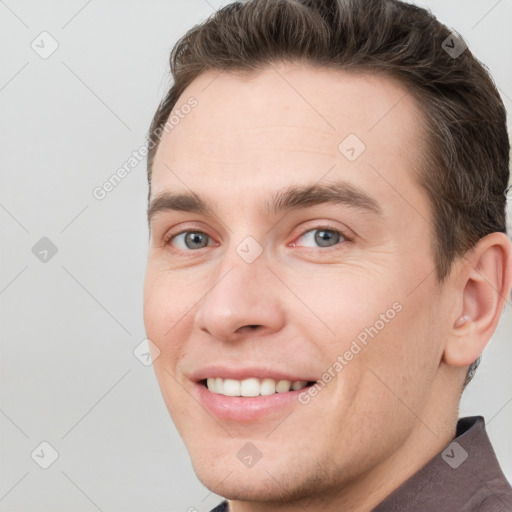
[[328, 257]]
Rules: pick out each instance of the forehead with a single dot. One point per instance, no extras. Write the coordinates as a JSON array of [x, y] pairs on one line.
[[284, 124]]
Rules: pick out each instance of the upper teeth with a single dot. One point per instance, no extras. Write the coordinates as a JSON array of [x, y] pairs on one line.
[[252, 386]]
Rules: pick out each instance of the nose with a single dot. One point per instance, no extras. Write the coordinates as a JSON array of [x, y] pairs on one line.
[[242, 298]]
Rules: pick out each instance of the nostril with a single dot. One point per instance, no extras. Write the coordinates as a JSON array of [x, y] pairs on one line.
[[252, 327]]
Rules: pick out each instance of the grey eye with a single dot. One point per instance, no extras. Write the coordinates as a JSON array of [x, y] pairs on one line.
[[323, 237], [191, 240]]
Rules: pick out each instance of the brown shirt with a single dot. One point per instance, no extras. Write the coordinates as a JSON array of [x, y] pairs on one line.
[[464, 477]]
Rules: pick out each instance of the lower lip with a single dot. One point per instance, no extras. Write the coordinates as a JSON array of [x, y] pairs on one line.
[[246, 409]]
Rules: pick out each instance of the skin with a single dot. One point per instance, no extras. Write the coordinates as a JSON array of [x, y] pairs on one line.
[[394, 405]]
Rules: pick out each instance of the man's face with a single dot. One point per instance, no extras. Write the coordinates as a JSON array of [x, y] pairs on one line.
[[243, 291]]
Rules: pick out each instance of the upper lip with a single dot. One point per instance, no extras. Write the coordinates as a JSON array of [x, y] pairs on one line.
[[239, 373]]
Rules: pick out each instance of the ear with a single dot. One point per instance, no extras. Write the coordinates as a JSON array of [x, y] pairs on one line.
[[484, 283]]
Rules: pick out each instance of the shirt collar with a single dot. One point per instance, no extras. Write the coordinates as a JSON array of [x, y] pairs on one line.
[[460, 477]]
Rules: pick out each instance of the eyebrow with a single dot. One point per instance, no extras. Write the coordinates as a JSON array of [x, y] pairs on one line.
[[287, 199]]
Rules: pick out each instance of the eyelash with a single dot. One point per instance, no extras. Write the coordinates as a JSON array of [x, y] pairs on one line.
[[168, 238]]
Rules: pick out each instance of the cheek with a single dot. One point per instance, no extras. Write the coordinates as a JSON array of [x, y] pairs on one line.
[[156, 306], [402, 360], [161, 313], [163, 316], [343, 306], [165, 304], [377, 327]]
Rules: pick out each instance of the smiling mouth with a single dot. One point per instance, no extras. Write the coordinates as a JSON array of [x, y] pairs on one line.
[[252, 387]]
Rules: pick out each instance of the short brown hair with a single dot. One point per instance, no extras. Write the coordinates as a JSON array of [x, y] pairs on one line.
[[466, 168]]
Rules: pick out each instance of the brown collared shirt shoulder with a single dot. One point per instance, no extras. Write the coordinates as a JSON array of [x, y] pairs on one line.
[[464, 477]]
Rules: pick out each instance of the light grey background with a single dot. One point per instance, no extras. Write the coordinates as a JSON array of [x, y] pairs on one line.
[[69, 326]]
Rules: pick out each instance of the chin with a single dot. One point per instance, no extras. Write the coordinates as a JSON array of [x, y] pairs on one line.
[[273, 484], [245, 486]]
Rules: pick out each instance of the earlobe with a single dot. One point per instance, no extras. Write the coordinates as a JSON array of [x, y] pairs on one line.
[[486, 279]]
